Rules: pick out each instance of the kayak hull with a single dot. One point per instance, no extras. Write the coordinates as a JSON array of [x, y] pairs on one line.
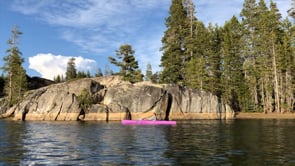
[[148, 122]]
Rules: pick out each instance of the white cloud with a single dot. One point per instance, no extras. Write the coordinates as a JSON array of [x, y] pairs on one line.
[[49, 65]]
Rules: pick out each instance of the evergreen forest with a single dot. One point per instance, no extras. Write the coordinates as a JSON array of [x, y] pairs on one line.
[[249, 61]]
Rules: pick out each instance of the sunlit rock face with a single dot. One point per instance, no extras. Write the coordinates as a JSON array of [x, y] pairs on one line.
[[195, 104], [111, 98]]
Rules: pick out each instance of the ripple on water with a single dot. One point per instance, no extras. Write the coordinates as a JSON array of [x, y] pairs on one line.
[[252, 142]]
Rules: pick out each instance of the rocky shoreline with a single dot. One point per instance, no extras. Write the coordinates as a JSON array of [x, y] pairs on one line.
[[111, 98], [257, 115]]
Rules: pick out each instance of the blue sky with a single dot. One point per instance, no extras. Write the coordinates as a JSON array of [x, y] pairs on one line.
[[92, 30]]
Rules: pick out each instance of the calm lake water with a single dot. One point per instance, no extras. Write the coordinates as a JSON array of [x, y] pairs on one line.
[[202, 142]]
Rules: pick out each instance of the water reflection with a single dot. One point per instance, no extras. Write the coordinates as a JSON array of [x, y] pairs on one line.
[[50, 143], [135, 145], [265, 142], [11, 142], [205, 140], [240, 142]]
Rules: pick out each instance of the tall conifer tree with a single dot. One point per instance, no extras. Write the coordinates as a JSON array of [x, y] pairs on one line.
[[174, 57], [263, 58], [149, 72], [234, 89], [195, 70], [287, 66], [275, 32], [17, 78], [214, 60], [249, 16], [71, 69]]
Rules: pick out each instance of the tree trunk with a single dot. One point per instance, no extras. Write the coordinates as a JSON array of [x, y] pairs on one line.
[[10, 87], [289, 91], [263, 97], [276, 82], [191, 15]]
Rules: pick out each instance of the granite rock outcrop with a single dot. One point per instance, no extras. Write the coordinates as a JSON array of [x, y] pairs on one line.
[[111, 98]]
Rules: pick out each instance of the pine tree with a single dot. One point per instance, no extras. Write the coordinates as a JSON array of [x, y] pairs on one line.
[[81, 74], [191, 38], [88, 75], [287, 67], [174, 57], [149, 72], [274, 25], [156, 77], [126, 61], [17, 78], [99, 73], [234, 89], [213, 65], [71, 72], [263, 58], [57, 79], [267, 50], [138, 76], [195, 70], [250, 20], [190, 9]]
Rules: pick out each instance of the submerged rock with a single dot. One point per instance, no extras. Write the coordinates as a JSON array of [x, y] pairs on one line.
[[110, 98]]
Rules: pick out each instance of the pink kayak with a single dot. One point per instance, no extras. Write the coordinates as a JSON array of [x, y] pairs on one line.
[[148, 122]]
